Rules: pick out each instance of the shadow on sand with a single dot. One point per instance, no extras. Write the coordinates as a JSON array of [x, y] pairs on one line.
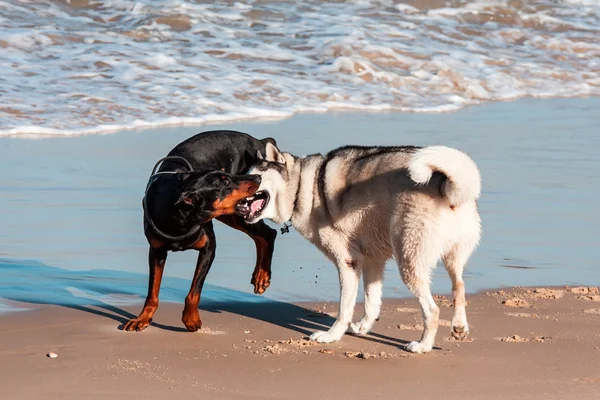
[[105, 292]]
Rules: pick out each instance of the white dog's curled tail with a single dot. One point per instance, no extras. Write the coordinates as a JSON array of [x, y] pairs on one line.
[[463, 183]]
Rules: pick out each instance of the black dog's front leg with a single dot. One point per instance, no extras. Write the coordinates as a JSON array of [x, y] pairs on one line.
[[264, 239], [206, 248], [156, 260]]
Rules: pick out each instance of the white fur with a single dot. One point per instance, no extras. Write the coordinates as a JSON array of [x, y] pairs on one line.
[[273, 154], [464, 181]]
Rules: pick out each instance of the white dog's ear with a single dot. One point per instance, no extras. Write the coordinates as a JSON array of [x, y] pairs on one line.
[[273, 154]]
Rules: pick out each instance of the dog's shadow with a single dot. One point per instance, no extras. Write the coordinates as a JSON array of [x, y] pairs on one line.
[[104, 293], [294, 318]]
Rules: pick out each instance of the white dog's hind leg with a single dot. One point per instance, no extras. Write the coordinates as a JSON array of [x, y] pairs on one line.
[[349, 273], [455, 261], [373, 283], [415, 273]]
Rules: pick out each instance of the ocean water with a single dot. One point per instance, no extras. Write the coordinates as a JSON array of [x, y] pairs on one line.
[[71, 216], [87, 66]]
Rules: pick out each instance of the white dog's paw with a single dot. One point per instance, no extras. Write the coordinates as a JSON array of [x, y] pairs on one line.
[[323, 337], [361, 327], [460, 332], [418, 347]]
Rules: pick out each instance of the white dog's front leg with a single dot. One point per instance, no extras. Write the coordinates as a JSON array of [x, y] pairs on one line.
[[349, 276], [373, 281]]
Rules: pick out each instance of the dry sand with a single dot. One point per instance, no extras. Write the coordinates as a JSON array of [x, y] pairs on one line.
[[549, 349]]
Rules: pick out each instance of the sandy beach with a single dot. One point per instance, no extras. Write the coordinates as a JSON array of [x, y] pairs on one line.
[[526, 343]]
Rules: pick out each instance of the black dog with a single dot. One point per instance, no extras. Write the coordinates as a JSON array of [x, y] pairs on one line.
[[200, 180]]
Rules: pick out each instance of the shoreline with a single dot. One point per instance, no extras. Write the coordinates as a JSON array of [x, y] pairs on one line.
[[259, 351], [14, 307], [38, 286], [192, 122]]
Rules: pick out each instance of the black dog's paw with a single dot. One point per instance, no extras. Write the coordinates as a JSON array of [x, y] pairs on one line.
[[192, 323], [261, 281], [137, 324]]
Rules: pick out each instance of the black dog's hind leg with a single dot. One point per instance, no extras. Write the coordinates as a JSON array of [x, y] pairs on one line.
[[206, 247], [156, 260], [264, 239]]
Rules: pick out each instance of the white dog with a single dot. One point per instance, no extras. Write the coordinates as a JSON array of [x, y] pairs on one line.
[[363, 205]]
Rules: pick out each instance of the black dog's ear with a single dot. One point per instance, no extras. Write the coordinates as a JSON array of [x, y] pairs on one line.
[[259, 155], [191, 199]]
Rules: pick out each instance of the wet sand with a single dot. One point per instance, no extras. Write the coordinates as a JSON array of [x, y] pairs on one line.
[[544, 346]]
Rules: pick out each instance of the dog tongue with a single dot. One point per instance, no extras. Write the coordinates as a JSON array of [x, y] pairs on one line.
[[256, 205]]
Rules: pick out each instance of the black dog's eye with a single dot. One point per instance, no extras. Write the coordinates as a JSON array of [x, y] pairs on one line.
[[225, 179]]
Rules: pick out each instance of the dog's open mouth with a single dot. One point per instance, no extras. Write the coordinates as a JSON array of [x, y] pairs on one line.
[[251, 207]]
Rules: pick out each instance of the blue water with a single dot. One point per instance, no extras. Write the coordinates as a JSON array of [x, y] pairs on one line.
[[33, 282], [71, 218]]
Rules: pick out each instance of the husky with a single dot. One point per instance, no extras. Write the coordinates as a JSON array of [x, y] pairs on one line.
[[361, 206]]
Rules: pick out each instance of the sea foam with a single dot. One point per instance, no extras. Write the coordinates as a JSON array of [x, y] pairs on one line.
[[85, 66]]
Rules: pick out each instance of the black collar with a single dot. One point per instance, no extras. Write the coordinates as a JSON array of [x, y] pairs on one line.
[[288, 223]]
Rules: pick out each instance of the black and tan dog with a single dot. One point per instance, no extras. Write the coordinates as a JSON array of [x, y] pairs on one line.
[[198, 181]]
